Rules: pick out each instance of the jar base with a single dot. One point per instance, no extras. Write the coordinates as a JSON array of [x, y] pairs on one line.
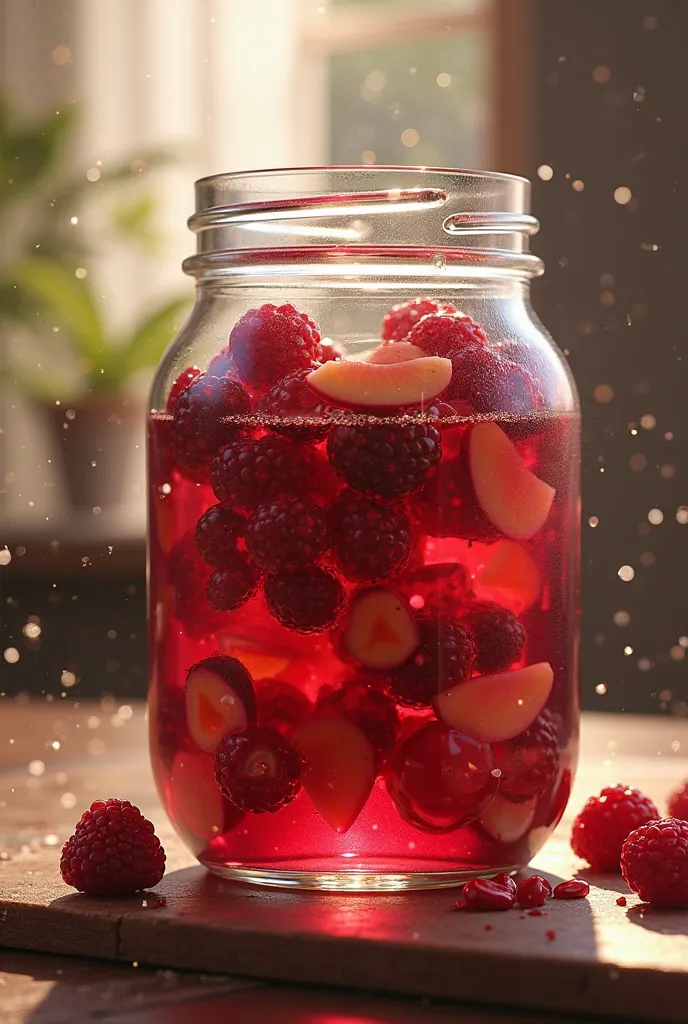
[[387, 876]]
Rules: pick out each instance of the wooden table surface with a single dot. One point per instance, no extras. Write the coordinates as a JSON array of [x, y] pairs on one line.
[[55, 758]]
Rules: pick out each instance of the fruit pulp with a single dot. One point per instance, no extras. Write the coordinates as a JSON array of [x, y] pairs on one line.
[[457, 557]]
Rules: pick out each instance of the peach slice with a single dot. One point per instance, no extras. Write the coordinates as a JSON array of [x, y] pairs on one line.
[[508, 822], [339, 768], [196, 805], [514, 500], [497, 707], [219, 700], [394, 352], [379, 630], [509, 576], [355, 384]]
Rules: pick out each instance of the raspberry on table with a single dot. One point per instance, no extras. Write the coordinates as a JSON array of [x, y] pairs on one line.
[[249, 473], [529, 762], [286, 534], [443, 334], [216, 534], [186, 377], [398, 322], [281, 706], [604, 823], [371, 542], [489, 383], [230, 587], [678, 803], [114, 851], [199, 427], [445, 656], [371, 710], [385, 460], [499, 636], [306, 600], [258, 770], [654, 862], [270, 342], [294, 399]]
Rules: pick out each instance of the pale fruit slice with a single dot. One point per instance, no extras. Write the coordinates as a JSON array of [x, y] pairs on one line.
[[514, 500], [394, 352], [380, 631], [509, 576], [362, 385], [220, 700], [508, 822], [339, 768], [196, 805], [260, 661], [497, 707]]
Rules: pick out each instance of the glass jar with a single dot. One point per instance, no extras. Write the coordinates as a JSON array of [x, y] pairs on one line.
[[364, 516]]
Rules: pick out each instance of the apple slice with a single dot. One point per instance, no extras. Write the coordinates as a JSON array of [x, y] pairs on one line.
[[497, 707], [219, 700], [380, 631], [339, 768], [514, 500], [508, 822], [363, 385], [509, 576], [394, 352]]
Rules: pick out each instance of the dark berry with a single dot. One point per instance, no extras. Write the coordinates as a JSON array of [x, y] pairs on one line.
[[180, 385], [200, 428], [270, 342], [216, 534], [258, 770], [287, 534], [440, 334], [296, 410], [385, 460], [398, 322], [529, 762], [371, 542], [371, 710], [440, 587], [306, 600], [447, 507], [223, 365], [489, 383], [280, 705], [229, 588], [445, 656], [249, 473], [499, 636], [189, 575]]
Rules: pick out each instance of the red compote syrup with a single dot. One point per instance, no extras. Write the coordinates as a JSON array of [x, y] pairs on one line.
[[361, 629]]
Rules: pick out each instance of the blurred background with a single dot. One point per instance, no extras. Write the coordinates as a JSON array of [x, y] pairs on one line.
[[109, 109]]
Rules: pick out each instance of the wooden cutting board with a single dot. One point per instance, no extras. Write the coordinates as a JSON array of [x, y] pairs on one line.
[[590, 956]]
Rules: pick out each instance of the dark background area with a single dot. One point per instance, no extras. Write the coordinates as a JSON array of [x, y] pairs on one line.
[[608, 110]]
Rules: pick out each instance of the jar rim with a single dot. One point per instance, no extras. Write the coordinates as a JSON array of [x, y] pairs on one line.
[[316, 169]]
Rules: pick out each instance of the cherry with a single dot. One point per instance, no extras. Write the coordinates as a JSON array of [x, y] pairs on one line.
[[533, 891], [574, 889], [486, 894]]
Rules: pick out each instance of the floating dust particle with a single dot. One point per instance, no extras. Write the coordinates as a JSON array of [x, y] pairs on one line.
[[603, 393], [96, 747], [683, 640], [626, 573], [644, 664], [11, 655], [648, 421], [667, 471], [5, 556], [680, 709], [51, 839], [676, 746], [647, 559], [593, 521], [682, 514], [638, 462], [36, 768], [601, 689], [677, 653], [545, 172], [601, 74], [68, 678], [621, 618], [577, 185], [125, 712], [68, 800], [444, 80], [410, 138], [655, 516], [628, 650], [622, 195]]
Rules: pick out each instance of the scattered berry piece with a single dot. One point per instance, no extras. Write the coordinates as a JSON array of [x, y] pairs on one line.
[[372, 542], [398, 322], [385, 460], [533, 891], [306, 600], [444, 656], [444, 334], [489, 927], [499, 636], [219, 700], [506, 880], [287, 534], [537, 913], [216, 534], [551, 935], [622, 901], [678, 803], [280, 705], [529, 762], [270, 342], [249, 473], [371, 710], [114, 851], [258, 770], [199, 425], [654, 862], [574, 889], [484, 894], [601, 827], [227, 589], [294, 399], [182, 382]]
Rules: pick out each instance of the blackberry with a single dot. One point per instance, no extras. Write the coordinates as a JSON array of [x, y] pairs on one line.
[[499, 636], [286, 534], [445, 656], [371, 542], [249, 473], [385, 460], [529, 762], [306, 600], [258, 770], [230, 587], [199, 426], [294, 399], [217, 533]]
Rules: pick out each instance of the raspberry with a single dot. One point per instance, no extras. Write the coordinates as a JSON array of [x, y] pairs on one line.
[[329, 351], [287, 534], [678, 803], [272, 341], [385, 460], [654, 862], [599, 830], [372, 542], [186, 377], [258, 770], [489, 383], [444, 657], [198, 427], [498, 634], [398, 322], [441, 334], [114, 850], [294, 399], [280, 705], [371, 710], [230, 587], [222, 364], [529, 762], [248, 473], [189, 575], [216, 534], [446, 506], [307, 600]]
